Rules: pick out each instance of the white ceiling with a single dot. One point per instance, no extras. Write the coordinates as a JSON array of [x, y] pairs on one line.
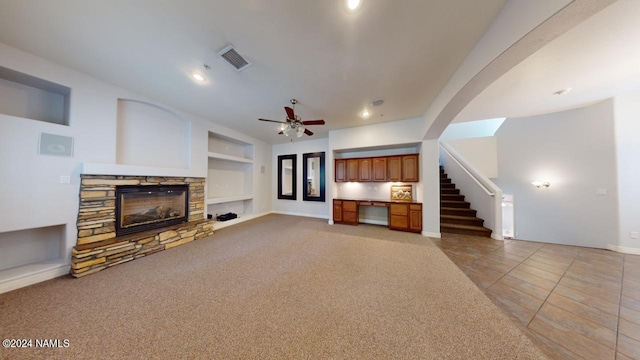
[[335, 62], [598, 59]]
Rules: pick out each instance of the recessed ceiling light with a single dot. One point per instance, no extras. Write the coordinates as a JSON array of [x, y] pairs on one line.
[[198, 76], [562, 92], [377, 102], [365, 114], [353, 4]]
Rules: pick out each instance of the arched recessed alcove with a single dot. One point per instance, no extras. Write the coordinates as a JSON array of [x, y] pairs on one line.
[[149, 135]]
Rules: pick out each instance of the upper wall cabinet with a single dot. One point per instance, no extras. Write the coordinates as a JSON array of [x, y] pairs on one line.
[[410, 168], [395, 168], [29, 97]]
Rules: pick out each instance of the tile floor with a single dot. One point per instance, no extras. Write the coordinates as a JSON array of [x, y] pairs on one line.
[[573, 302]]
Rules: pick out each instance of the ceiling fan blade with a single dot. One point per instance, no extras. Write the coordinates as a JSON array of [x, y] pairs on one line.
[[313, 122], [306, 131], [290, 113], [275, 121]]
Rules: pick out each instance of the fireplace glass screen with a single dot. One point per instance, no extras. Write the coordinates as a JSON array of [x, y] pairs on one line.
[[140, 208]]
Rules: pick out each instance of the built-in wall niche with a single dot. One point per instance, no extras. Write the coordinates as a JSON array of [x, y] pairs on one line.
[[29, 97], [229, 178], [31, 248], [150, 135]]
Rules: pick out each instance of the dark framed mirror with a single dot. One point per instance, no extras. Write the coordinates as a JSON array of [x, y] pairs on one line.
[[313, 176], [287, 177]]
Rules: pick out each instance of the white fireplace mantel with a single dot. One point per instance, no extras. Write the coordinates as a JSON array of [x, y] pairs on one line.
[[135, 170]]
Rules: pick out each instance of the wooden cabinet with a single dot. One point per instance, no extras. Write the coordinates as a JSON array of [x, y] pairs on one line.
[[337, 211], [379, 170], [415, 217], [410, 168], [345, 212], [405, 217], [352, 169], [364, 170], [341, 170], [400, 168], [394, 168], [398, 216]]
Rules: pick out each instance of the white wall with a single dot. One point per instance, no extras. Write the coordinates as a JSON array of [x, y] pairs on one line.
[[298, 206], [573, 150], [627, 128], [32, 195], [481, 152]]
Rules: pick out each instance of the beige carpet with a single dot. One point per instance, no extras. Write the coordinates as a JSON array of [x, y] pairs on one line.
[[272, 288]]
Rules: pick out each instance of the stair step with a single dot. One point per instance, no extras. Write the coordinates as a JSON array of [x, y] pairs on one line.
[[445, 181], [449, 191], [465, 229], [455, 204], [457, 211], [447, 186], [461, 220], [452, 197]]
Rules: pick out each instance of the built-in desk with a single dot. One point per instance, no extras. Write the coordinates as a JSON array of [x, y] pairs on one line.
[[403, 215]]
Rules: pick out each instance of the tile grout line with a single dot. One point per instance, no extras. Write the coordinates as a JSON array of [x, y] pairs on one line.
[[554, 287], [615, 346], [547, 297], [510, 270]]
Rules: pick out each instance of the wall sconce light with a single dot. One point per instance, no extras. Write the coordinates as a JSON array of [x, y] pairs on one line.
[[540, 184]]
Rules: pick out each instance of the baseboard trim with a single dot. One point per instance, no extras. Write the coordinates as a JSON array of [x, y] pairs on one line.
[[34, 278], [374, 222], [624, 249], [495, 236], [432, 234]]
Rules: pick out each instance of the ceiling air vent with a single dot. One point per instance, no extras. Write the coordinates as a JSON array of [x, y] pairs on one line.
[[230, 55]]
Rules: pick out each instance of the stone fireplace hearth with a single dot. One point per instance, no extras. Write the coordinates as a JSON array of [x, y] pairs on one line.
[[99, 247]]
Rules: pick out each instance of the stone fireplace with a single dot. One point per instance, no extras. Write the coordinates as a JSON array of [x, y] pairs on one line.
[[122, 218]]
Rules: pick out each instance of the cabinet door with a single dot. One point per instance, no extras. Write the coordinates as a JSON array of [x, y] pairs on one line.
[[398, 216], [352, 169], [364, 169], [379, 169], [350, 212], [415, 217], [410, 168], [394, 168], [341, 170], [337, 211]]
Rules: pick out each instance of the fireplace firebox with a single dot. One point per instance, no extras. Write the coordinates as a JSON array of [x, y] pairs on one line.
[[141, 208]]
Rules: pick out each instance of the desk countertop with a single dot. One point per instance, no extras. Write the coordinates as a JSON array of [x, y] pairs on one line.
[[361, 200]]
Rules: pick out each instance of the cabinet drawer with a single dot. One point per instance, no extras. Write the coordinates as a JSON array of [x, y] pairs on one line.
[[349, 206], [398, 222], [350, 217], [398, 209], [415, 206]]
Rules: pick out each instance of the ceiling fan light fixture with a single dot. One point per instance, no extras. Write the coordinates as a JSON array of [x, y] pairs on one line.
[[299, 131]]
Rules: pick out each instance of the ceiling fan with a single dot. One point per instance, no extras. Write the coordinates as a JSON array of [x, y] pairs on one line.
[[294, 123]]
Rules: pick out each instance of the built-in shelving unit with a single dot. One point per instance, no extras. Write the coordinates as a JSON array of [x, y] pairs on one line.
[[31, 255], [229, 178]]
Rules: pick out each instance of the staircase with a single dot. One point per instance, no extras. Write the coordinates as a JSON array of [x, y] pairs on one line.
[[456, 215]]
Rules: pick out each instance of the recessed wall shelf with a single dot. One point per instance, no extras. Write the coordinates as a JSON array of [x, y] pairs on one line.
[[229, 178], [29, 97]]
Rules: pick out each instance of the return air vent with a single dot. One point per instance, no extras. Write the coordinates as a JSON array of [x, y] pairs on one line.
[[230, 55]]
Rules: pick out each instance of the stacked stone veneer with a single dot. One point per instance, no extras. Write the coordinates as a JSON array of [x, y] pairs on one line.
[[98, 247]]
